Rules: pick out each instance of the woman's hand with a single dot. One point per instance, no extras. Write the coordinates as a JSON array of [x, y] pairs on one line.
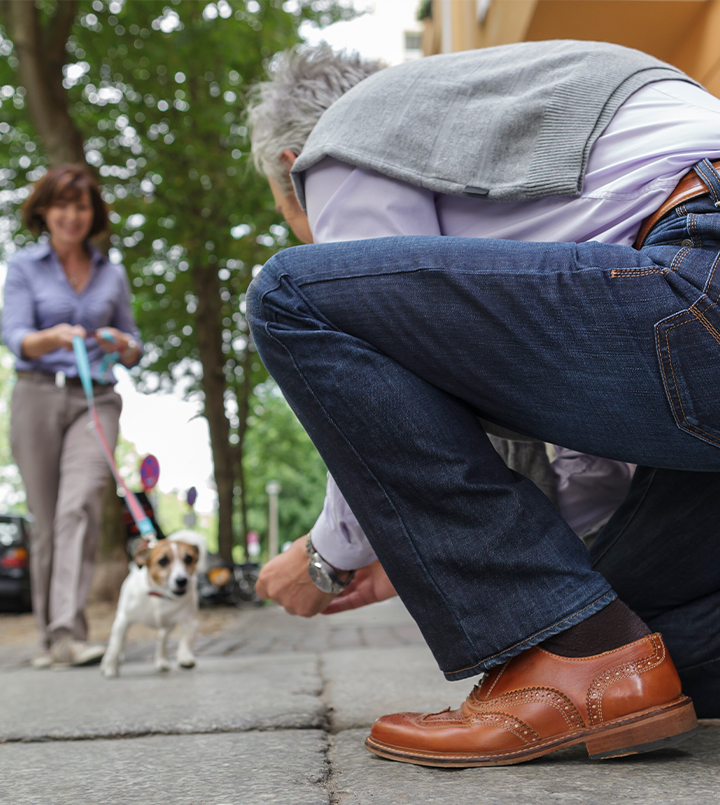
[[112, 340], [370, 585], [39, 343], [64, 334]]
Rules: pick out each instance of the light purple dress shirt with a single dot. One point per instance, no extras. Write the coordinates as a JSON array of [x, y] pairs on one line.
[[38, 296], [651, 142]]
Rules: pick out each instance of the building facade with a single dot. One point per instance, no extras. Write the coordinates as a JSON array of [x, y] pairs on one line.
[[682, 32]]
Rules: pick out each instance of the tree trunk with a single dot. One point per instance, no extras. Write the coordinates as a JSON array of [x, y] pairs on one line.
[[240, 477], [243, 404], [209, 335], [41, 55]]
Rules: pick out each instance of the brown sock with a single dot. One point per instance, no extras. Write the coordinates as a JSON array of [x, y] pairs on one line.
[[613, 626]]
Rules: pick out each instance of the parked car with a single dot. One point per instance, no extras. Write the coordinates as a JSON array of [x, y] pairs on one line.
[[14, 563]]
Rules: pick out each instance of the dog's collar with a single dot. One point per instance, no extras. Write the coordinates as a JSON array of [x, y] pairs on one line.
[[157, 594]]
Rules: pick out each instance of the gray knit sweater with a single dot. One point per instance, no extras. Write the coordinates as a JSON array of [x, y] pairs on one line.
[[512, 122]]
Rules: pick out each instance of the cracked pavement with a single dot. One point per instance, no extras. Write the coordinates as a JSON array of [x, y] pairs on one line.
[[276, 711]]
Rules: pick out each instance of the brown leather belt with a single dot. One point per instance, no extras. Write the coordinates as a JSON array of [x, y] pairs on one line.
[[690, 186]]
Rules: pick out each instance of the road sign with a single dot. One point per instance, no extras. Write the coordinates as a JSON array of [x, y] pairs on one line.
[[149, 472]]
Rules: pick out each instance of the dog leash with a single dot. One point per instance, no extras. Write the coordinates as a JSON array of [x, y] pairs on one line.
[[142, 521], [109, 358]]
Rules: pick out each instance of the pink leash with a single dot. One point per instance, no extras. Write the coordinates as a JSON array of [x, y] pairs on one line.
[[143, 522]]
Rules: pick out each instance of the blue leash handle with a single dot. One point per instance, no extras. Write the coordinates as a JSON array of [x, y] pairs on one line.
[[83, 365], [108, 359]]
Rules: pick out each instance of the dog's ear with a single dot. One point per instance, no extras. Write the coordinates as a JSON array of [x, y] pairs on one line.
[[142, 553]]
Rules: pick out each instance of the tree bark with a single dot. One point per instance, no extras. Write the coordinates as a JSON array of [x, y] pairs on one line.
[[41, 55], [243, 404], [209, 334]]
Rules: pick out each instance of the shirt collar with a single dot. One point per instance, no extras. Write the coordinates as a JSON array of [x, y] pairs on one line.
[[97, 258], [43, 249]]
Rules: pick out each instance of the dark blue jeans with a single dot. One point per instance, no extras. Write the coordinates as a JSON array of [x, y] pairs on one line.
[[389, 349]]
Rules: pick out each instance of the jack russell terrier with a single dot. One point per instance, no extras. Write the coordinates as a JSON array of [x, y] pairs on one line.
[[160, 591]]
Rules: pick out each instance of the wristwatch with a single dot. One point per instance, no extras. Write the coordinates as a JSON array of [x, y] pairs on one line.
[[323, 575]]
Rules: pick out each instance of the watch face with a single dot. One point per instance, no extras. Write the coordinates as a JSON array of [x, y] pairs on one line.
[[320, 577]]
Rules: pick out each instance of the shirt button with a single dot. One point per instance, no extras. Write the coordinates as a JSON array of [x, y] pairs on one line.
[[687, 242]]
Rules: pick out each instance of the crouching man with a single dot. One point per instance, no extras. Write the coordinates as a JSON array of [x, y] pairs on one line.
[[390, 350]]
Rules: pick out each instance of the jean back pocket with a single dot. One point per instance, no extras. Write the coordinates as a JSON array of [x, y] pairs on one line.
[[688, 347]]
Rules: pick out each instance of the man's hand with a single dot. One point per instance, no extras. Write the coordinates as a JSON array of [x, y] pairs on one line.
[[370, 585], [285, 581]]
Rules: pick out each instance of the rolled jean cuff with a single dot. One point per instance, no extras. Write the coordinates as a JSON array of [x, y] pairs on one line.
[[533, 640]]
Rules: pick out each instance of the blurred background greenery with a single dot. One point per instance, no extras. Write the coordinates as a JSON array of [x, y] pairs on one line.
[[151, 96]]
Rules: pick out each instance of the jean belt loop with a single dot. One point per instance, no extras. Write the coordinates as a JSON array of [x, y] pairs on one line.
[[706, 171]]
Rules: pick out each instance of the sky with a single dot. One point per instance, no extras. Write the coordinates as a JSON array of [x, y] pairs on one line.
[[170, 429], [163, 424], [379, 34]]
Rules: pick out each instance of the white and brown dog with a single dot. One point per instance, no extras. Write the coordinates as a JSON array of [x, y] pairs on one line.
[[160, 591]]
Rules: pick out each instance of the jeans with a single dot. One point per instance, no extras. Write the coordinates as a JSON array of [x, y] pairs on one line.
[[389, 349]]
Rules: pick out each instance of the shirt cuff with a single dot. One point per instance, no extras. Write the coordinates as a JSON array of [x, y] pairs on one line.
[[13, 341], [337, 535]]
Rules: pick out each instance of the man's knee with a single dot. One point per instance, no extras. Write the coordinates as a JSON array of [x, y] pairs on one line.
[[268, 279], [274, 299], [270, 302]]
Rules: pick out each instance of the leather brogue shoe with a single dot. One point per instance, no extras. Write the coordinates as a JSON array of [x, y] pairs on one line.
[[620, 702]]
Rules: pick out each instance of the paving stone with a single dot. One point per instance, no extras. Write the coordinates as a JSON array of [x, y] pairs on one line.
[[347, 637], [271, 630], [248, 726], [369, 682], [279, 691], [287, 767], [386, 613], [686, 775]]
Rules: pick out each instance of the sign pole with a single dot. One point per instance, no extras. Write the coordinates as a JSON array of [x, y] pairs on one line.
[[273, 490]]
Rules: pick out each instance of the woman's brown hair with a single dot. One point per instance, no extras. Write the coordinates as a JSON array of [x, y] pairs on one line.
[[64, 183]]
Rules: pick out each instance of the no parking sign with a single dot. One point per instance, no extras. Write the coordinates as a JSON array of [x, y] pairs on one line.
[[149, 472]]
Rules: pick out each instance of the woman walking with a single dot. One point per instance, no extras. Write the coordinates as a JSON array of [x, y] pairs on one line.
[[56, 289]]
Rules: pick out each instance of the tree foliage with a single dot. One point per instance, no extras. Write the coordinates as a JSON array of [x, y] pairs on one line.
[[278, 449], [154, 90]]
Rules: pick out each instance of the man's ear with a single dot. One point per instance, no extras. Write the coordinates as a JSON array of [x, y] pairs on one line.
[[288, 158]]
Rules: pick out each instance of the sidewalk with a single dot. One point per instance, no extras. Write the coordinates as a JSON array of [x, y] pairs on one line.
[[276, 711]]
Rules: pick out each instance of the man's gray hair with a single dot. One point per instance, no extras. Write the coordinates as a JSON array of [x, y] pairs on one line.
[[303, 83]]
